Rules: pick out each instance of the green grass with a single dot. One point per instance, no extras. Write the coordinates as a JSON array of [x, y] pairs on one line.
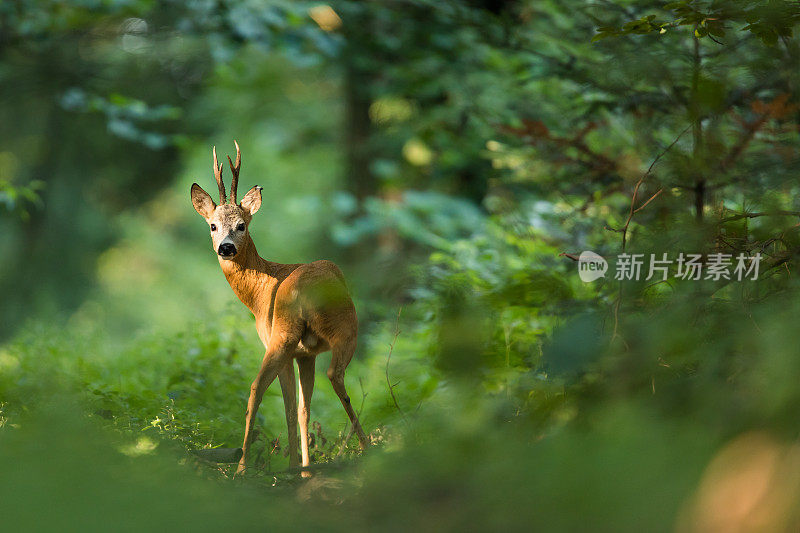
[[101, 436]]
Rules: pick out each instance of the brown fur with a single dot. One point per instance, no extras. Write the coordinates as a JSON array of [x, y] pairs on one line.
[[301, 310]]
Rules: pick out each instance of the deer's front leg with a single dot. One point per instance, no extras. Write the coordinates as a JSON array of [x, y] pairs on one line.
[[273, 361]]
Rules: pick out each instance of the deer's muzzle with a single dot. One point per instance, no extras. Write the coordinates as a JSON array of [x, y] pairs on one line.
[[227, 249]]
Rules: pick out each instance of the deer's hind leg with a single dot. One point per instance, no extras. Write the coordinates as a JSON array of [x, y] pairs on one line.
[[305, 366], [287, 381], [341, 355]]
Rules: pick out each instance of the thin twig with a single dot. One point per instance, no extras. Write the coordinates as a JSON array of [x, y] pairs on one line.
[[781, 213], [363, 397], [633, 210], [343, 445], [388, 359], [616, 318], [659, 191], [277, 442]]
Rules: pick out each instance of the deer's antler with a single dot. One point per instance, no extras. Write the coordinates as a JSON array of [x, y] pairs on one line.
[[235, 171], [218, 176]]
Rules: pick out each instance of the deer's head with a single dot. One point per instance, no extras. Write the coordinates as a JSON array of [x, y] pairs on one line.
[[227, 221]]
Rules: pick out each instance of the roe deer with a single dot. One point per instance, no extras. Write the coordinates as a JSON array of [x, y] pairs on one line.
[[301, 310]]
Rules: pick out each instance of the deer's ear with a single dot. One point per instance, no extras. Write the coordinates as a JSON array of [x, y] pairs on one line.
[[202, 201], [252, 200]]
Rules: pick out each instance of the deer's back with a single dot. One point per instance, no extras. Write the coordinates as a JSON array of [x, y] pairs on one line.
[[316, 295]]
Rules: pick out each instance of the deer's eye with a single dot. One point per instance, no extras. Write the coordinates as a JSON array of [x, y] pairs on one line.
[[213, 227], [240, 227]]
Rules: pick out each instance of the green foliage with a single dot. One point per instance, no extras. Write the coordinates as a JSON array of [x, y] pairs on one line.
[[18, 200], [451, 157], [124, 114], [769, 21]]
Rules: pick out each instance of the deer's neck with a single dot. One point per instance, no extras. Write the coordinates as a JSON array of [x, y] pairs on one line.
[[253, 279]]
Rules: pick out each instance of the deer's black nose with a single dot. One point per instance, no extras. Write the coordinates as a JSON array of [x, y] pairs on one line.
[[226, 249]]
